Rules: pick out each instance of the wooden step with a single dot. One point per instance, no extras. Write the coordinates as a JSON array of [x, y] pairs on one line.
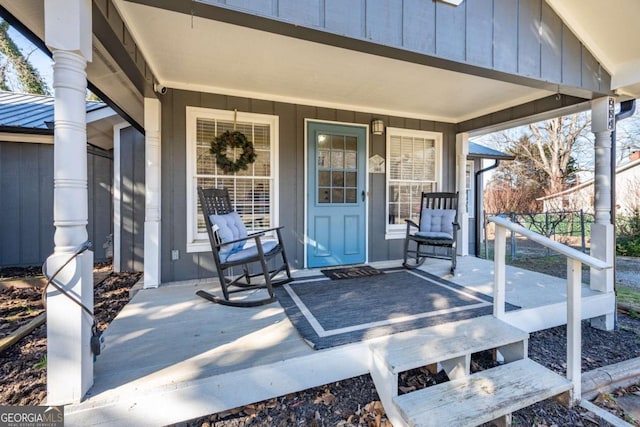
[[402, 352], [481, 397]]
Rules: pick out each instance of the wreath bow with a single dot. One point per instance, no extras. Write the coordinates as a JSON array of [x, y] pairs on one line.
[[233, 139]]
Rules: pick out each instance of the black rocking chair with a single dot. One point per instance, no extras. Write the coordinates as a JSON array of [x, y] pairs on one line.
[[437, 228], [228, 236]]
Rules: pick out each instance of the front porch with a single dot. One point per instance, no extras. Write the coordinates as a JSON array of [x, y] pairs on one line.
[[171, 356]]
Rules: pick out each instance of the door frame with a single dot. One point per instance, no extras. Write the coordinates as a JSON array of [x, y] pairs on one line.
[[306, 183]]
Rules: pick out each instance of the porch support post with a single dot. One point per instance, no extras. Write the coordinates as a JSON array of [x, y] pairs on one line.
[[462, 151], [152, 221], [602, 231], [69, 357]]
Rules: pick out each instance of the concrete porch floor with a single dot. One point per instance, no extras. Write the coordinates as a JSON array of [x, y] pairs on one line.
[[171, 356]]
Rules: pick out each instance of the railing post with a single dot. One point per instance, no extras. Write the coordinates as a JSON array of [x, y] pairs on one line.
[[574, 324], [512, 217], [485, 223], [499, 253]]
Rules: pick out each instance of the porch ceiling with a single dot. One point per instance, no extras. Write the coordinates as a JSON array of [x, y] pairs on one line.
[[611, 32], [192, 53]]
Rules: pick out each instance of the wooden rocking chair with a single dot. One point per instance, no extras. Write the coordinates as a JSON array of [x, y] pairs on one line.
[[228, 236], [437, 228]]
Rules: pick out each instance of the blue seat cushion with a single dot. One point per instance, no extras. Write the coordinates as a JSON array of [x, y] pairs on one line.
[[435, 235], [252, 251], [439, 221], [228, 227]]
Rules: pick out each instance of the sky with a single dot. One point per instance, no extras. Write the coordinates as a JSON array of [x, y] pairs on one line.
[[37, 58]]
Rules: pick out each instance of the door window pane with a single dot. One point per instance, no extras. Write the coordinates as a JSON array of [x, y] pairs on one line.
[[337, 175]]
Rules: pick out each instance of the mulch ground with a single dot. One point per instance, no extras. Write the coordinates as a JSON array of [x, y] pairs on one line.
[[351, 402], [354, 402], [23, 365]]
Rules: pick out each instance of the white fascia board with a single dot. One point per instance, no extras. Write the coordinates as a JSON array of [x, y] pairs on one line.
[[26, 138], [627, 75], [99, 114]]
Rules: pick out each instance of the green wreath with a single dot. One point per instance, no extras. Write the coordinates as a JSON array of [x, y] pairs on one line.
[[233, 139]]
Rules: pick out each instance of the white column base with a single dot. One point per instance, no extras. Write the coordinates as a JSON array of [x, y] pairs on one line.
[[69, 364], [603, 248], [151, 254]]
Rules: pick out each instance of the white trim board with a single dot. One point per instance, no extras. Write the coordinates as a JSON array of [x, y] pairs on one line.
[[117, 196]]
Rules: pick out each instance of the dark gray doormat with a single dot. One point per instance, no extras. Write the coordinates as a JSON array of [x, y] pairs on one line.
[[354, 272], [329, 313]]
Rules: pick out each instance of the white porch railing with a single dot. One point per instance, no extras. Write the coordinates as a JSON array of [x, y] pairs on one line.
[[575, 259]]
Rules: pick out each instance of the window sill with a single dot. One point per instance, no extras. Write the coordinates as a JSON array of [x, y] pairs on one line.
[[204, 246], [198, 246], [394, 234]]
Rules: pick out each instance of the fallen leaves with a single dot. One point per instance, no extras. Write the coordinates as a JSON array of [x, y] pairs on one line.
[[326, 398], [22, 374]]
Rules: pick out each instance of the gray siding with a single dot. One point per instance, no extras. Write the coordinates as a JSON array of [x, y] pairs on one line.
[[291, 175], [132, 200], [100, 182], [524, 38], [26, 211]]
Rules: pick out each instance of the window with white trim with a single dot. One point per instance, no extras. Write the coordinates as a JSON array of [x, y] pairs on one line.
[[252, 191], [414, 165]]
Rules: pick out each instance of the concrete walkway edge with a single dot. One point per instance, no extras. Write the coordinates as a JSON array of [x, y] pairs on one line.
[[611, 377]]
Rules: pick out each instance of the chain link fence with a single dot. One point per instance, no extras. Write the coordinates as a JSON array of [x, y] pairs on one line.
[[572, 228]]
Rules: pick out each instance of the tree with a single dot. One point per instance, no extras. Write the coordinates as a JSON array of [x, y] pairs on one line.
[[548, 157], [29, 79], [627, 137], [555, 149]]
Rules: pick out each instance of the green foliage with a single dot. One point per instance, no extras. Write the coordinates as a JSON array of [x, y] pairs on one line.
[[30, 79], [628, 295], [42, 363], [628, 235], [93, 97]]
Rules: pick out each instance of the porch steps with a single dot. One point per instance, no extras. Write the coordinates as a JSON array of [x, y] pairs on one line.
[[483, 396], [467, 399]]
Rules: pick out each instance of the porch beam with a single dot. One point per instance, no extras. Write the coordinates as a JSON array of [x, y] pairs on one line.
[[602, 231], [530, 112], [152, 219], [112, 32], [69, 357]]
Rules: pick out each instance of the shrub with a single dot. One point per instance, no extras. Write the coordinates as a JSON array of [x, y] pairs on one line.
[[628, 236]]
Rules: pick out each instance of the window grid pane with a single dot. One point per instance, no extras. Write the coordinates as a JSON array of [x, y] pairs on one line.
[[336, 178], [250, 190], [412, 170]]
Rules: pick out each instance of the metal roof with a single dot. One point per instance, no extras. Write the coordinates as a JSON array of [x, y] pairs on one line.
[[480, 151], [20, 112]]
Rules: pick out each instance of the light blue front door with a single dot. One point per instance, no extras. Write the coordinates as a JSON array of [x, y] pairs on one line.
[[336, 207]]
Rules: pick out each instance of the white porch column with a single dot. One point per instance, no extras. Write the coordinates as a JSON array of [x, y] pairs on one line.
[[602, 231], [69, 357], [462, 151], [152, 221]]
